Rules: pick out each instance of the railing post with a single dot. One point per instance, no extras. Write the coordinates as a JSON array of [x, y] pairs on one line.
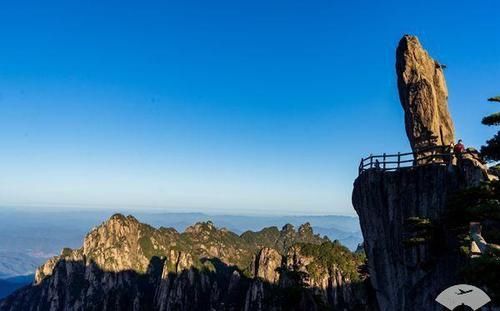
[[433, 153], [360, 168]]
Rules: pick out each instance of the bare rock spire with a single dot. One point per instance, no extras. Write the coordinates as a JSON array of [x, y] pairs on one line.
[[423, 95]]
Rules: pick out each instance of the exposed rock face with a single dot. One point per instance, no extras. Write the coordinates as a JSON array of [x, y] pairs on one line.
[[474, 167], [126, 265], [409, 268], [412, 255], [266, 265], [423, 95]]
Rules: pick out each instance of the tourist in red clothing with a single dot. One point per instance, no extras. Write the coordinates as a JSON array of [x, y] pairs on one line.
[[459, 147]]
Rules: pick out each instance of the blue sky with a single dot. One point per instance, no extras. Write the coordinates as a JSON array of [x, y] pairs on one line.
[[221, 106]]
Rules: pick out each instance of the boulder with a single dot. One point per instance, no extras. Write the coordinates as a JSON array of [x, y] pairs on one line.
[[423, 95]]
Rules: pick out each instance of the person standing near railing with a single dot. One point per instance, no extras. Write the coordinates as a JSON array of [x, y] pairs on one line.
[[459, 148]]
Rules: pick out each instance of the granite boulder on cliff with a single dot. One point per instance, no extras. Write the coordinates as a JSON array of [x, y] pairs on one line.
[[424, 96]]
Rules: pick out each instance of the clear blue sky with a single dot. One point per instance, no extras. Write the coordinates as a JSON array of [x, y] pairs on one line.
[[221, 106]]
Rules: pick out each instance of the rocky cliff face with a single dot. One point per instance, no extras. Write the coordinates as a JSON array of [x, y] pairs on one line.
[[423, 95], [126, 265], [412, 254]]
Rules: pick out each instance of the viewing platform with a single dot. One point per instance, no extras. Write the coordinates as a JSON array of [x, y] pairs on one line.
[[440, 155]]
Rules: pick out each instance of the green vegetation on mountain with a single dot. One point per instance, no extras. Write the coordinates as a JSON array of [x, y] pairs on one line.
[[127, 262], [282, 240], [114, 240], [263, 238], [333, 254], [491, 151], [492, 119], [419, 231]]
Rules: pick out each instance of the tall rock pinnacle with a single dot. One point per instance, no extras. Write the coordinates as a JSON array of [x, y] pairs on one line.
[[423, 95], [408, 265]]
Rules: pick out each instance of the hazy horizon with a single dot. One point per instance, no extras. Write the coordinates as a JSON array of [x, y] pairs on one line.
[[168, 210]]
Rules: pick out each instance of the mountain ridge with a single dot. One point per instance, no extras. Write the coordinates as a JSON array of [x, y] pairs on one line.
[[126, 260]]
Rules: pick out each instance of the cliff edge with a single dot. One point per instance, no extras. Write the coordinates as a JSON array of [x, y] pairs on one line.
[[412, 254]]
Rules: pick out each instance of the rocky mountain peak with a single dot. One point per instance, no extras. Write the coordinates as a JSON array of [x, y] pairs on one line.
[[128, 265], [122, 219], [423, 95], [122, 242], [200, 227], [115, 228], [287, 228], [306, 229], [410, 265]]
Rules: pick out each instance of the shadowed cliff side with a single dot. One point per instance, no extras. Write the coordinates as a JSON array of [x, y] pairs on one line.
[[77, 286], [412, 256]]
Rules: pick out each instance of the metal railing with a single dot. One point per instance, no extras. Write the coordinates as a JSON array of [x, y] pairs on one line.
[[391, 162]]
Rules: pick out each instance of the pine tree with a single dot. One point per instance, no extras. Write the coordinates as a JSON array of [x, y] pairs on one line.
[[492, 119], [491, 151], [494, 99]]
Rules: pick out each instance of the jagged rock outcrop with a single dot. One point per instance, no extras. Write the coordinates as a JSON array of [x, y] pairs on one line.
[[282, 239], [412, 253], [423, 95], [474, 167], [126, 265]]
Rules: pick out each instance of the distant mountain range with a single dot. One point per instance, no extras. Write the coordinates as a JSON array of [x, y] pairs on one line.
[[124, 264], [29, 237]]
